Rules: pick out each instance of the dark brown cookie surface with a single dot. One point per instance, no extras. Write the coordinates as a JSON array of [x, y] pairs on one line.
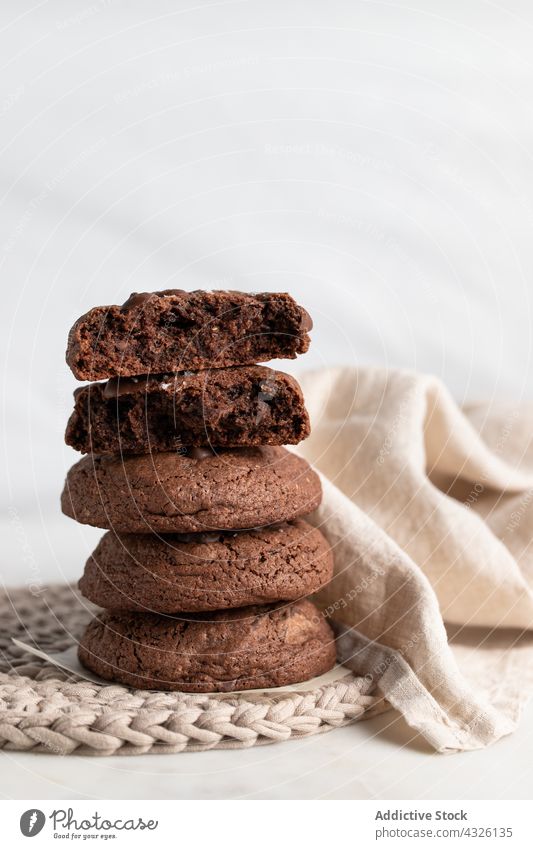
[[241, 406], [216, 571], [242, 649], [173, 330], [233, 489]]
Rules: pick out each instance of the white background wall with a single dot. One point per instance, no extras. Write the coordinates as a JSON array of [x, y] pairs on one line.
[[373, 158]]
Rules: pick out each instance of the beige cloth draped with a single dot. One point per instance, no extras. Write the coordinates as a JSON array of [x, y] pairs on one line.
[[429, 508]]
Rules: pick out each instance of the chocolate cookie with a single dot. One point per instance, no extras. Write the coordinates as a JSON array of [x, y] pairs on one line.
[[235, 488], [212, 571], [174, 330], [243, 649], [241, 406]]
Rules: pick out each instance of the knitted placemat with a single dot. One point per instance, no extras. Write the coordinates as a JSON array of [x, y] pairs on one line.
[[45, 709]]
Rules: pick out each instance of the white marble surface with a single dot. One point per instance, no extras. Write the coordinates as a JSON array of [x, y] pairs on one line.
[[377, 759]]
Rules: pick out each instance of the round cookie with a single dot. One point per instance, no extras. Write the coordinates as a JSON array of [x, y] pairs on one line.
[[244, 649], [210, 571], [231, 489]]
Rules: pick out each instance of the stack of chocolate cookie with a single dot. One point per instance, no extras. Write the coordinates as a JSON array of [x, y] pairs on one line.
[[205, 567]]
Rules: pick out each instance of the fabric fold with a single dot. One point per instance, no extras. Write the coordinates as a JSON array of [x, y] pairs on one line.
[[429, 513]]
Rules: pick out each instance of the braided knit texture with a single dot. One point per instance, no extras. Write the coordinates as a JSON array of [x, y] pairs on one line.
[[44, 709]]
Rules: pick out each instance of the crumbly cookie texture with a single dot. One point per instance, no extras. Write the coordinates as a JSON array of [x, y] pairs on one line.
[[211, 571], [174, 330], [232, 489], [240, 649], [240, 406]]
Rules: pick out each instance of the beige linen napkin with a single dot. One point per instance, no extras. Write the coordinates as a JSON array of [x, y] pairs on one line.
[[429, 509]]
